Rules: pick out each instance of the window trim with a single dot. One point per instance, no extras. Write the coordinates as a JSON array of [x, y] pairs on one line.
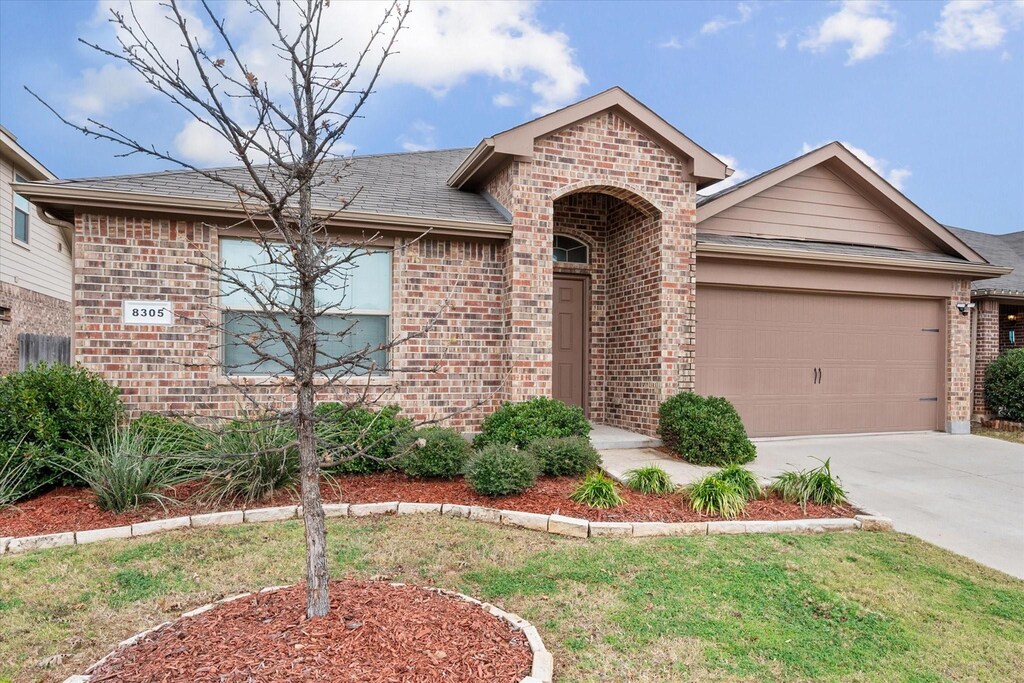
[[379, 377], [15, 209], [586, 247]]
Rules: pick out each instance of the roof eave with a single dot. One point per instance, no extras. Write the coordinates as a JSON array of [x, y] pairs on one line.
[[9, 148], [974, 271], [65, 196]]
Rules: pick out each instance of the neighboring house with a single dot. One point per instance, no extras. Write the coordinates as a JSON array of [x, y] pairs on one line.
[[35, 268], [999, 312], [581, 263]]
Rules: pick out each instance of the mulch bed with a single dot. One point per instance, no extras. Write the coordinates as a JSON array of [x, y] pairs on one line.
[[75, 509], [374, 633]]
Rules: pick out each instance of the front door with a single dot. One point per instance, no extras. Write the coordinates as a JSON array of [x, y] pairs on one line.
[[569, 356]]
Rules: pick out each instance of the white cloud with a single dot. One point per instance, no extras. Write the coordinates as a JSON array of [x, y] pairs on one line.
[[202, 146], [106, 89], [420, 137], [976, 24], [504, 99], [745, 11], [671, 44], [863, 24], [738, 175], [897, 176], [781, 40]]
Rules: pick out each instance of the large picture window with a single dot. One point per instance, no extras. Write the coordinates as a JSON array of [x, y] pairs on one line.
[[356, 303], [22, 208]]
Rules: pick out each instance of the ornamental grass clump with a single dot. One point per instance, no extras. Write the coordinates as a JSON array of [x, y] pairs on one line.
[[125, 469], [255, 458], [597, 490], [434, 453], [650, 479], [16, 475], [743, 479], [810, 486], [501, 470], [715, 496], [568, 456]]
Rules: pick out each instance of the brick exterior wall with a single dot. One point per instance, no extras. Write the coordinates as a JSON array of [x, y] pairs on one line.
[[604, 154], [453, 367], [1006, 326], [959, 382], [30, 313], [986, 348]]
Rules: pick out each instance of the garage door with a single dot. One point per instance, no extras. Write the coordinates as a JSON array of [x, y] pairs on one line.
[[804, 363]]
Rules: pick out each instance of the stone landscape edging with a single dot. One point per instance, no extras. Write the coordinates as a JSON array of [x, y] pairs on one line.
[[541, 669], [552, 524]]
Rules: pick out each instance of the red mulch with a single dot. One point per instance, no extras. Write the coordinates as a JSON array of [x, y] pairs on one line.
[[374, 633], [75, 509]]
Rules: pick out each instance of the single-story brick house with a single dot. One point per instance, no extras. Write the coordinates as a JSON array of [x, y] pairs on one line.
[[999, 313], [581, 263]]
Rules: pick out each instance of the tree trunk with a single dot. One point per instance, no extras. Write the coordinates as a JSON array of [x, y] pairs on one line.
[[317, 576]]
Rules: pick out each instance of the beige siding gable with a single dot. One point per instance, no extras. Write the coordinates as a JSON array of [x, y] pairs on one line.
[[815, 205], [44, 266]]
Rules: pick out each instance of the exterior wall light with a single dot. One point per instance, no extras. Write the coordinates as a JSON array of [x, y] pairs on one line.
[[964, 309]]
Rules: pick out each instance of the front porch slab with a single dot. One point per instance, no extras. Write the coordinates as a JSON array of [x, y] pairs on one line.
[[603, 437]]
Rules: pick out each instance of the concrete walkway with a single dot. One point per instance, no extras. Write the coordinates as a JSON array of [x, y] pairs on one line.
[[963, 493]]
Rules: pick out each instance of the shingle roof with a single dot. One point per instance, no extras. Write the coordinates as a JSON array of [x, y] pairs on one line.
[[1003, 250], [405, 184], [827, 248]]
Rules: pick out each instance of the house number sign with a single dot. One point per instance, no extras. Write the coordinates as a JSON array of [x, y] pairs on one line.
[[147, 313]]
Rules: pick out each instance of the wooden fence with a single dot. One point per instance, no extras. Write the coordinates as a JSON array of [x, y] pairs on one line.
[[38, 348]]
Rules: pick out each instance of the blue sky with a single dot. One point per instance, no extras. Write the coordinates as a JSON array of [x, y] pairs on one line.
[[931, 93]]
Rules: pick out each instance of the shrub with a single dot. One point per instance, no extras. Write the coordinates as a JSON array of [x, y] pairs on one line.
[[715, 496], [743, 479], [125, 469], [1004, 385], [704, 430], [501, 470], [814, 486], [520, 424], [358, 440], [570, 456], [172, 435], [55, 411], [434, 453], [649, 479], [256, 458], [597, 491]]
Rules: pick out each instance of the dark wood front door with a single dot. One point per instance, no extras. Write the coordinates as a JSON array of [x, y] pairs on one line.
[[569, 351]]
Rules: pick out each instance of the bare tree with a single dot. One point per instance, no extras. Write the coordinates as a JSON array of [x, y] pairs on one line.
[[283, 139]]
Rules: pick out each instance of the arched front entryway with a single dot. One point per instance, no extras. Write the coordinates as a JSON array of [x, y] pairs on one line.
[[606, 304]]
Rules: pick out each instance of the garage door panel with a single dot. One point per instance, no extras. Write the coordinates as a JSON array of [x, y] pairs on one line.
[[879, 357]]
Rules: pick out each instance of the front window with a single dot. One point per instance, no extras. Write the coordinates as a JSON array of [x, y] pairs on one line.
[[21, 213], [355, 302], [569, 250]]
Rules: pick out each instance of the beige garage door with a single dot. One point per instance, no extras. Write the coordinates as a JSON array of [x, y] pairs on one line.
[[802, 363]]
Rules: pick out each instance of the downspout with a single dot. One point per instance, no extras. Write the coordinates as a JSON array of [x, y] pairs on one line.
[[67, 232]]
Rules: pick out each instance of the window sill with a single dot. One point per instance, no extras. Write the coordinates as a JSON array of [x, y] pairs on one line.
[[18, 243], [270, 380]]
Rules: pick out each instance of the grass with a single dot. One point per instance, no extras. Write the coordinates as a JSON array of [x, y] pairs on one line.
[[1012, 437], [834, 607]]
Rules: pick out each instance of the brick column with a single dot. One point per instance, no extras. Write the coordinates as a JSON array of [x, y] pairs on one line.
[[986, 349], [958, 372], [678, 290]]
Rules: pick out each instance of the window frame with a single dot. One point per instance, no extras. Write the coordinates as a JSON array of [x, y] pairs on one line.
[[15, 198], [336, 311], [581, 243]]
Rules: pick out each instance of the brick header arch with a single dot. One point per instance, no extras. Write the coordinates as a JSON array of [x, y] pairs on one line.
[[631, 195]]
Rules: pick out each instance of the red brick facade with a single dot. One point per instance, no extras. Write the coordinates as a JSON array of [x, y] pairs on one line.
[[958, 366], [995, 321], [29, 313]]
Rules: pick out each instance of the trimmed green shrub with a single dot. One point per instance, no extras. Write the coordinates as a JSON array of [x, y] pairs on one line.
[[172, 435], [1004, 385], [650, 479], [810, 486], [570, 456], [501, 470], [520, 424], [715, 496], [597, 490], [254, 459], [434, 453], [55, 411], [357, 440], [743, 479], [704, 430], [127, 468]]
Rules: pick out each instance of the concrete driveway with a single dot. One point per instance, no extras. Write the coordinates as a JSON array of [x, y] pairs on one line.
[[963, 493]]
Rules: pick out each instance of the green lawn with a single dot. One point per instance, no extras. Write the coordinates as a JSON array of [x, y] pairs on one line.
[[835, 607]]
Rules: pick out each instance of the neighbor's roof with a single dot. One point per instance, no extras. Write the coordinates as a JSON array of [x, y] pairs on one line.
[[1006, 250], [410, 184]]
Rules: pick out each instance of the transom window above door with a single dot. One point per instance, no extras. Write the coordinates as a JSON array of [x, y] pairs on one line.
[[569, 250]]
